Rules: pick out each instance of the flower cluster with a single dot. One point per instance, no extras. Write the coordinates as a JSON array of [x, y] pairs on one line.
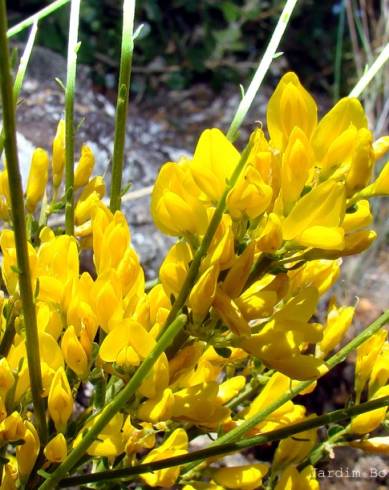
[[299, 204]]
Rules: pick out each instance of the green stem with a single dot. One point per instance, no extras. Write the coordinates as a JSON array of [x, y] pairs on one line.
[[19, 225], [36, 17], [202, 454], [122, 103], [336, 359], [118, 403], [262, 69], [19, 78], [69, 115], [317, 454], [368, 76]]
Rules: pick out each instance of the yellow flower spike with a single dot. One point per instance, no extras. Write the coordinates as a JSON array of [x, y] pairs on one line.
[[110, 442], [230, 388], [323, 207], [213, 163], [290, 106], [348, 111], [12, 428], [60, 400], [175, 445], [74, 354], [175, 205], [58, 158], [247, 477], [7, 378], [338, 322], [377, 445], [27, 453], [84, 167], [291, 479], [367, 355], [229, 312], [56, 449], [221, 250], [250, 196], [203, 292], [174, 268], [37, 178], [361, 163], [380, 373], [295, 449], [381, 147], [367, 422], [297, 162], [360, 218], [237, 276], [269, 237], [157, 409]]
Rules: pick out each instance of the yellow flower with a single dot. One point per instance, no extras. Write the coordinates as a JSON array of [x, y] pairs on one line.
[[229, 312], [369, 421], [338, 322], [12, 428], [137, 439], [295, 449], [60, 401], [175, 205], [290, 106], [213, 163], [230, 388], [379, 445], [320, 274], [84, 168], [10, 476], [56, 449], [175, 445], [157, 409], [268, 238], [238, 274], [246, 477], [7, 378], [379, 375], [58, 160], [250, 196], [27, 453], [292, 479], [74, 353], [174, 268], [359, 218], [381, 147], [361, 163], [110, 441], [381, 185], [203, 292], [37, 178]]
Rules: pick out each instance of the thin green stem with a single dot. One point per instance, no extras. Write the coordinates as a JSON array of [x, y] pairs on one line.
[[369, 74], [19, 78], [339, 51], [122, 103], [118, 402], [274, 435], [36, 17], [262, 69], [337, 358], [19, 226], [69, 115]]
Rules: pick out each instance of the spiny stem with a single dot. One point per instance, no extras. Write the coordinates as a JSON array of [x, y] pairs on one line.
[[118, 402], [21, 73], [69, 115], [19, 226], [36, 17], [202, 454], [122, 103], [262, 69], [336, 359]]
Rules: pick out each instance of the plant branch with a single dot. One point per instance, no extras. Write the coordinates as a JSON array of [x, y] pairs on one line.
[[262, 69], [118, 403], [368, 76], [122, 103], [19, 225], [274, 435], [36, 17], [69, 115]]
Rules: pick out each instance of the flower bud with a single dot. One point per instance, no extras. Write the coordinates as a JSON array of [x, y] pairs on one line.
[[74, 353], [84, 168], [203, 292], [27, 453], [60, 401], [58, 159], [37, 178], [381, 147], [56, 449]]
